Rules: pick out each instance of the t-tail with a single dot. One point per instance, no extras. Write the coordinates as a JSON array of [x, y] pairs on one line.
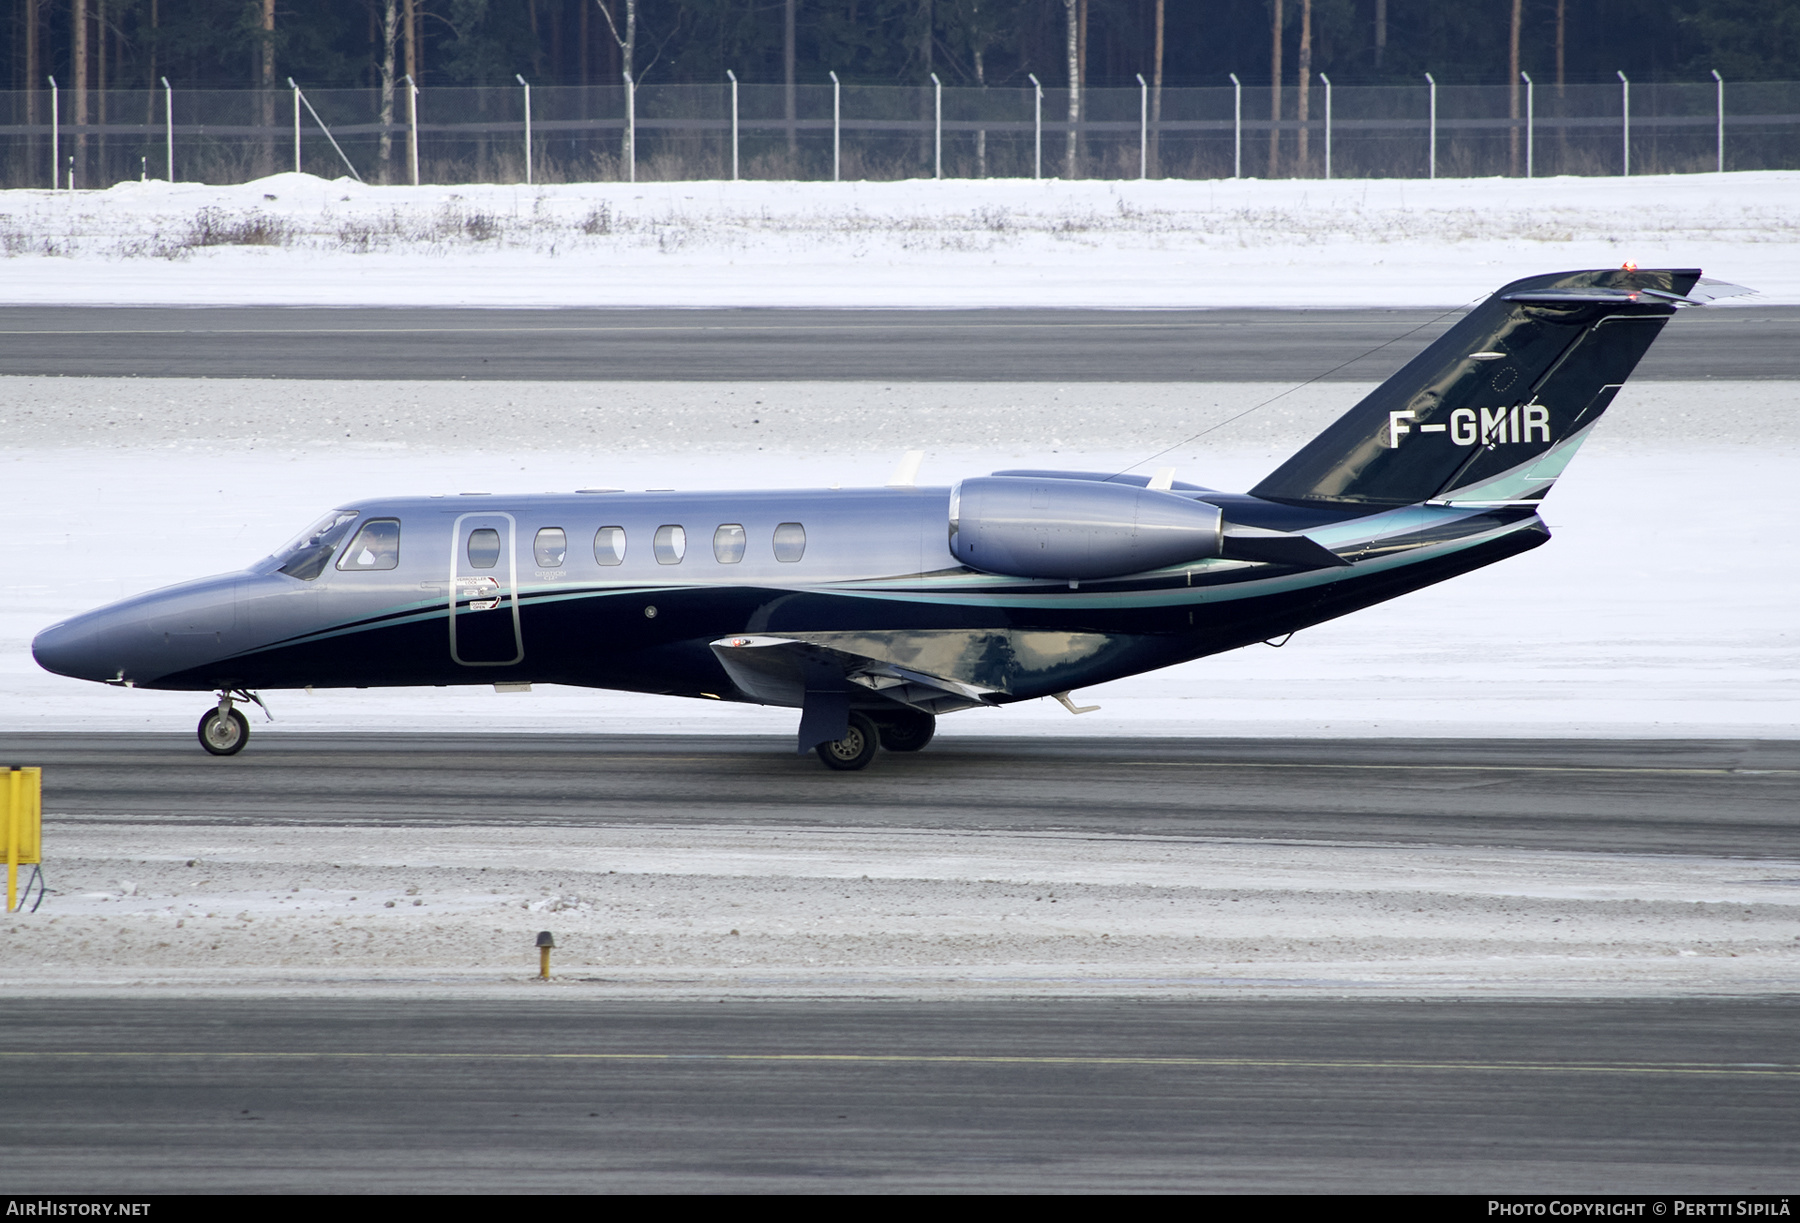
[[1495, 409]]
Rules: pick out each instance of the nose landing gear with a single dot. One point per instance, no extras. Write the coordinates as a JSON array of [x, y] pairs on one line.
[[223, 730]]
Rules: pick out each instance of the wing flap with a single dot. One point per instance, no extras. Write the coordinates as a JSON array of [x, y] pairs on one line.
[[785, 670]]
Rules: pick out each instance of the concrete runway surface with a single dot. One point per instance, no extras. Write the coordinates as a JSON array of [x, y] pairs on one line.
[[1724, 797], [562, 1094], [819, 345]]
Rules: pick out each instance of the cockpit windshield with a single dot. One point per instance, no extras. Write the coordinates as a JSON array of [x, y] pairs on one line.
[[307, 554]]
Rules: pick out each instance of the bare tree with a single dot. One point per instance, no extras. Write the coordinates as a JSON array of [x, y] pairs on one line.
[[265, 80], [789, 109], [1275, 91], [78, 53], [100, 83], [1303, 71], [628, 51], [1561, 6], [1512, 86], [1074, 45], [1156, 75], [390, 30], [32, 74]]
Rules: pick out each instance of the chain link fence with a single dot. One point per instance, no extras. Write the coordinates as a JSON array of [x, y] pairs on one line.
[[862, 132]]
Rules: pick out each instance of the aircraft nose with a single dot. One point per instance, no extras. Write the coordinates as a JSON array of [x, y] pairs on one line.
[[68, 649]]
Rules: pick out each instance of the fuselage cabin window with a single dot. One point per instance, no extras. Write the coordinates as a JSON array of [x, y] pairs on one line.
[[376, 546], [790, 542], [728, 544], [609, 546], [550, 547], [670, 544], [484, 548]]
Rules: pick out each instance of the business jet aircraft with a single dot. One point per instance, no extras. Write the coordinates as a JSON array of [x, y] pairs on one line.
[[874, 611]]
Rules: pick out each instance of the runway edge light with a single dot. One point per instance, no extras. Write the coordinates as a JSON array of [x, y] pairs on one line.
[[22, 796], [545, 942]]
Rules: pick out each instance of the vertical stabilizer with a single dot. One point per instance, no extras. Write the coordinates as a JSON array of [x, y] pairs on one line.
[[1497, 406]]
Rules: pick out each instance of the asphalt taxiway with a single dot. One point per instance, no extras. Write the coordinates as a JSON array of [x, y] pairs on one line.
[[1225, 345], [1469, 1096], [576, 1086], [1714, 797]]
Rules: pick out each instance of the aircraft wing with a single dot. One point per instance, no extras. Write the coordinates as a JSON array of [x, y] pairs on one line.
[[782, 670]]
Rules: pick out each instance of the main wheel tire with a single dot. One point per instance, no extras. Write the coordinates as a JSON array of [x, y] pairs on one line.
[[907, 732], [224, 736], [855, 749]]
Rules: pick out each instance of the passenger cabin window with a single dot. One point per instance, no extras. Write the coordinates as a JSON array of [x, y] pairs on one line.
[[484, 548], [550, 548], [671, 545], [728, 544], [790, 542], [376, 546], [609, 546]]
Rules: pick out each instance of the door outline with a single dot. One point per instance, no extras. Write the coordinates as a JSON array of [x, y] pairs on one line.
[[512, 587]]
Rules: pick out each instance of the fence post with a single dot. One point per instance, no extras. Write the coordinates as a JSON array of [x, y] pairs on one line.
[[630, 128], [55, 135], [1530, 125], [522, 81], [1037, 127], [412, 127], [1719, 84], [732, 76], [1143, 129], [837, 115], [1433, 83], [338, 148], [169, 125], [1625, 126], [1327, 81], [937, 127], [1237, 126]]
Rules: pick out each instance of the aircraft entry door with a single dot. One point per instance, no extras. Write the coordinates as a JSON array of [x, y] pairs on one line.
[[484, 584]]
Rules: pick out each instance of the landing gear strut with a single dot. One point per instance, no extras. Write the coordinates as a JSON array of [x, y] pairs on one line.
[[223, 730]]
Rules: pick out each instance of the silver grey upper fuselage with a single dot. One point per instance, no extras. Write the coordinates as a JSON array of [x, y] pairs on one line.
[[876, 578]]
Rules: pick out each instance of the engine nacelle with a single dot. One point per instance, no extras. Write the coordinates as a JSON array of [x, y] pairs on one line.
[[1049, 528]]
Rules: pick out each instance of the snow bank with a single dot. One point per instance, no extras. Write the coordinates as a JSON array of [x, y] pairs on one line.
[[294, 239], [702, 910]]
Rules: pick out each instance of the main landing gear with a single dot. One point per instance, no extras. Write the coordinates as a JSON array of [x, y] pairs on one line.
[[903, 730], [223, 730]]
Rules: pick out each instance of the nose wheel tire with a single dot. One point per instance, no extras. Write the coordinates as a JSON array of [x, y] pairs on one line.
[[224, 734], [854, 750]]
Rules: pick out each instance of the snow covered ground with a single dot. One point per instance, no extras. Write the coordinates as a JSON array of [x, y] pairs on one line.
[[296, 239], [786, 911], [1663, 607]]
